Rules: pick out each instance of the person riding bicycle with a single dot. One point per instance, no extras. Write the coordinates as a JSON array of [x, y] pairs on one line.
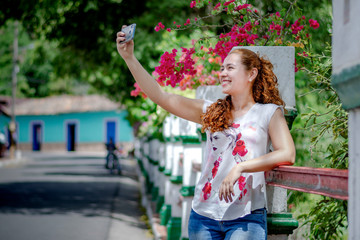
[[110, 147]]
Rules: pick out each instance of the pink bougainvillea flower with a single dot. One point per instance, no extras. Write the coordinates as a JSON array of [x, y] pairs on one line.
[[303, 54], [161, 25], [314, 24], [275, 27], [193, 4], [173, 72], [217, 6], [297, 27], [168, 29], [137, 91], [240, 7], [228, 2], [248, 26]]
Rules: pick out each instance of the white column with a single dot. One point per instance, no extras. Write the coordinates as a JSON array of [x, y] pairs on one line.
[[346, 81], [154, 145], [192, 153], [146, 163], [168, 169], [176, 174], [165, 211], [354, 177], [162, 177]]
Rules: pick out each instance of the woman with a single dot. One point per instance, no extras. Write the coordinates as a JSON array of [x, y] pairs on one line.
[[230, 200]]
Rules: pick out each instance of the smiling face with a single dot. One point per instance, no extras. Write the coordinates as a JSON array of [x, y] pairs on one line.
[[234, 77]]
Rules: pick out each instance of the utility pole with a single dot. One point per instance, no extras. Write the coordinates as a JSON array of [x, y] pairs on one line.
[[12, 126]]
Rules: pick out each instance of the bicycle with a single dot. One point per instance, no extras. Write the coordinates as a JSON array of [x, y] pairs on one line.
[[113, 164]]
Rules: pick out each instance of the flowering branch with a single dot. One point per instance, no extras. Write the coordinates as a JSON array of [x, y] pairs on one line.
[[247, 27]]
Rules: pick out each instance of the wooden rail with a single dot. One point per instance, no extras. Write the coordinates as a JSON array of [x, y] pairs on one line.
[[324, 181]]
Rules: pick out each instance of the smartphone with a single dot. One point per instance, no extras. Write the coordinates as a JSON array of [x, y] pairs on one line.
[[129, 32]]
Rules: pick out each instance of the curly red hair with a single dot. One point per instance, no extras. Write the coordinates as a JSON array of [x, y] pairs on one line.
[[218, 115]]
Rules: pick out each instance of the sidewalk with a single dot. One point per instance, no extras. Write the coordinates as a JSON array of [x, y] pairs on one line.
[[159, 231], [19, 159]]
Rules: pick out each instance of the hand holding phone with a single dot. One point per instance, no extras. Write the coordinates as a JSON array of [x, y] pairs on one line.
[[129, 32]]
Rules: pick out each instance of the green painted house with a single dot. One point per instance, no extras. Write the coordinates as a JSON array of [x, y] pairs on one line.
[[71, 123]]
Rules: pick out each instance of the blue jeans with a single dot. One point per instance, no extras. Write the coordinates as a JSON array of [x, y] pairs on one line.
[[252, 226]]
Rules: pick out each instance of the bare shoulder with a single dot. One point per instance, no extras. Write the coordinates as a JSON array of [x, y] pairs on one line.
[[277, 119]]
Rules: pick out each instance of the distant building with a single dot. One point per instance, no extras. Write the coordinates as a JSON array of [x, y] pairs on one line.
[[4, 126], [71, 123]]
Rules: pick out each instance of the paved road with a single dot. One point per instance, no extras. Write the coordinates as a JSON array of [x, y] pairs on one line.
[[69, 196]]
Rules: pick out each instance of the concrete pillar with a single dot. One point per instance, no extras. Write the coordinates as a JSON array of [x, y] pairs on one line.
[[174, 224], [154, 145], [165, 211], [149, 178], [192, 153], [346, 81], [161, 176], [143, 175], [354, 179]]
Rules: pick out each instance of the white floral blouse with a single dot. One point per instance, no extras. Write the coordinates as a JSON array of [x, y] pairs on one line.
[[246, 139]]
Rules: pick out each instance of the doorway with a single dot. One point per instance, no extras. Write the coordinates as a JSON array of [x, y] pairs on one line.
[[71, 137], [36, 136], [111, 131]]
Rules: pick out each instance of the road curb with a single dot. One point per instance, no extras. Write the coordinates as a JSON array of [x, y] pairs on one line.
[[158, 230]]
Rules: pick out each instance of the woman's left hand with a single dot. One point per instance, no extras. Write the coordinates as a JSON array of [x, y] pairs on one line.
[[226, 190]]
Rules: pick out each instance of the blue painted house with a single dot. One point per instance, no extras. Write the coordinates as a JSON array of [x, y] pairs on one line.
[[71, 123], [4, 126]]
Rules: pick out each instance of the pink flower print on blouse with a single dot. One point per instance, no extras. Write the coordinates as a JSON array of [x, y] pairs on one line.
[[206, 190], [240, 148], [242, 183], [216, 167], [235, 125]]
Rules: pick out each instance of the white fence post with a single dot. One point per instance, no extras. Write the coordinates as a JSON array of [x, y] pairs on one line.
[[165, 211], [192, 153], [174, 224], [154, 162], [161, 176], [346, 81]]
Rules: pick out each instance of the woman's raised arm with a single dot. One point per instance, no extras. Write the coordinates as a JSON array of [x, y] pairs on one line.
[[189, 109]]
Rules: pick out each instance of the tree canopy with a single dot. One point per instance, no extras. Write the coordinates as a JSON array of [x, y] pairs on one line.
[[75, 42]]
